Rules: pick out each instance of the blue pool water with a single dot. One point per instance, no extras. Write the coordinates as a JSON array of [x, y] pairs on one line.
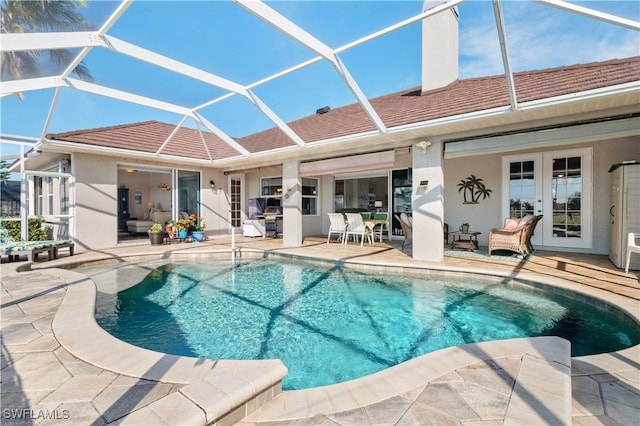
[[329, 324]]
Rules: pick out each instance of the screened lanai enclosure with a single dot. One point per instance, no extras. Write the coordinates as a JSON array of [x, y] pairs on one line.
[[226, 71]]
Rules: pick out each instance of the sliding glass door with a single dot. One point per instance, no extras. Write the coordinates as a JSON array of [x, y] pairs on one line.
[[188, 192]]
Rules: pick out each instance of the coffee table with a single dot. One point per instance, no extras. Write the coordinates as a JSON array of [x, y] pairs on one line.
[[464, 240]]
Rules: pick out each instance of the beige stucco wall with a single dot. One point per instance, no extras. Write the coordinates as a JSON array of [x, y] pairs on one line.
[[96, 198], [97, 181], [487, 214], [96, 203]]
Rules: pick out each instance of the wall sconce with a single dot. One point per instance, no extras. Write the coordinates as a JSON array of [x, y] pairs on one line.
[[213, 184], [424, 145], [424, 184]]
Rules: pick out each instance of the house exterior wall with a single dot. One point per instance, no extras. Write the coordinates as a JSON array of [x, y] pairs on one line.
[[96, 186], [487, 214], [96, 201], [97, 180]]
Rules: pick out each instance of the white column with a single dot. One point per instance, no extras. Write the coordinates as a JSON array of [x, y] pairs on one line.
[[428, 203], [291, 204]]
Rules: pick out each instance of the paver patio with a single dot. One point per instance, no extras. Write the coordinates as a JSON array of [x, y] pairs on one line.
[[44, 383]]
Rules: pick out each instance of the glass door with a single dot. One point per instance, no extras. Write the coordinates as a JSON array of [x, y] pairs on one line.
[[567, 178], [556, 185], [188, 192], [235, 203], [522, 180]]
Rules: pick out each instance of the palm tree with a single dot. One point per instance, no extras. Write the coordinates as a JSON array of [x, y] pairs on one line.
[[40, 16]]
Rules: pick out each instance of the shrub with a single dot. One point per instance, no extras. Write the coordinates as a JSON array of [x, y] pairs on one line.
[[36, 233]]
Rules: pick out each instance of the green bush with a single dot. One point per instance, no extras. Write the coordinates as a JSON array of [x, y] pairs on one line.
[[36, 233]]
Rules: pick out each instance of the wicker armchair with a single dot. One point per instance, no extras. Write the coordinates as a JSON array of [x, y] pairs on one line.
[[515, 236]]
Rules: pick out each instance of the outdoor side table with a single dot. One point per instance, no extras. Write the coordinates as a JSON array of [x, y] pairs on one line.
[[464, 240]]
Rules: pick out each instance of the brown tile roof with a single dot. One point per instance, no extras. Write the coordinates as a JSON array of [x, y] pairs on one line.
[[148, 137], [396, 109]]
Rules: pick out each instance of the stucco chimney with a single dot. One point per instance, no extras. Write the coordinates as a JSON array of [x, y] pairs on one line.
[[439, 47]]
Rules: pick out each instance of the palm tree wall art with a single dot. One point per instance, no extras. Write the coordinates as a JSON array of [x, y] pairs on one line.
[[472, 189]]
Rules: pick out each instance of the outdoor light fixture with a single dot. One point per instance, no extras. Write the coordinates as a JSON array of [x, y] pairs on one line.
[[424, 145], [213, 184], [424, 184]]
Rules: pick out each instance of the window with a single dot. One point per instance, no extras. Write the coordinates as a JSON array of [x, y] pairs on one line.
[[309, 196], [43, 187], [271, 187]]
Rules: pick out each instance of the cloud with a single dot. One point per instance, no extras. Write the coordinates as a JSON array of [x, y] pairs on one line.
[[540, 37]]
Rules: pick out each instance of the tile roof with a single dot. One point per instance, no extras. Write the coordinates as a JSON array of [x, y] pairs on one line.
[[148, 137], [396, 109]]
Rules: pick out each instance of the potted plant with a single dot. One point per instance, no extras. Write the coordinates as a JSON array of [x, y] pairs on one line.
[[169, 228], [182, 227], [197, 228], [156, 234]]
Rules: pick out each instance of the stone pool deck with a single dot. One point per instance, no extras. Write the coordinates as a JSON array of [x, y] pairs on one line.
[[57, 368]]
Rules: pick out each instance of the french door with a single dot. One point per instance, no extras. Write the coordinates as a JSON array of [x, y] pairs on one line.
[[236, 208], [557, 185]]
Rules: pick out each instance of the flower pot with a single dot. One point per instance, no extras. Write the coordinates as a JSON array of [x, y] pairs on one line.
[[197, 236], [182, 233], [156, 239], [464, 228]]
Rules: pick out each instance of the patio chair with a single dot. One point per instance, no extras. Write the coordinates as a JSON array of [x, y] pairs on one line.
[[356, 227], [407, 230], [382, 225], [337, 225], [514, 236], [632, 247]]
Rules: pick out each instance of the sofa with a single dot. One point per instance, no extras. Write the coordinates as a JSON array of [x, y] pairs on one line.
[[137, 226]]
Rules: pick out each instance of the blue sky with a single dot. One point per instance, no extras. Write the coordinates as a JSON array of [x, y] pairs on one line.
[[226, 40]]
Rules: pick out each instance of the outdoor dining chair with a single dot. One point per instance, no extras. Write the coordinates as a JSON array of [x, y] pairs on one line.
[[356, 228], [381, 225], [337, 225]]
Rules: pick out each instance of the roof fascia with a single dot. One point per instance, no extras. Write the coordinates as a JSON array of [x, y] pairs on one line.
[[65, 146], [295, 32], [591, 13], [511, 86], [619, 89]]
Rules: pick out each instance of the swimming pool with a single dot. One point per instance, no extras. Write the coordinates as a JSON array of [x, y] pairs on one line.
[[330, 324]]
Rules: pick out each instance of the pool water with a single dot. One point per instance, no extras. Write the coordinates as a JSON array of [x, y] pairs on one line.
[[330, 324]]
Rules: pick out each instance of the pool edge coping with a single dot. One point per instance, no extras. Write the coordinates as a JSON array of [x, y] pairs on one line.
[[606, 361]]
